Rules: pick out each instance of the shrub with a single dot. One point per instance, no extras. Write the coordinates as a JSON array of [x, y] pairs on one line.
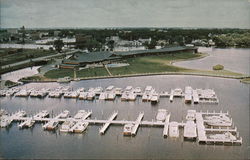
[[218, 67]]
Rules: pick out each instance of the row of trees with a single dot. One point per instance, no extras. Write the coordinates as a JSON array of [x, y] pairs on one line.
[[222, 37], [235, 39]]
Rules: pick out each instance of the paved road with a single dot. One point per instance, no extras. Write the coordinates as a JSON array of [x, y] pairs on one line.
[[38, 59]]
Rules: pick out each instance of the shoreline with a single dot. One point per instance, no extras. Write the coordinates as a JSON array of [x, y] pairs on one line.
[[141, 75]]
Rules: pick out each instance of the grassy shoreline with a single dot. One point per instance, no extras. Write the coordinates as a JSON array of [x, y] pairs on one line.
[[139, 66]]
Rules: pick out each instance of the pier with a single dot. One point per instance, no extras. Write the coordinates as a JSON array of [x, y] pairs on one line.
[[111, 92], [205, 133], [137, 123], [107, 124], [166, 126]]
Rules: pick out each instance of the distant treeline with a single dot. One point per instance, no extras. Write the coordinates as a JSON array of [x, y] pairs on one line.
[[222, 37]]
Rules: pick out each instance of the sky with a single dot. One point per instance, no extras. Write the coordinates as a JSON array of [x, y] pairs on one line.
[[125, 13]]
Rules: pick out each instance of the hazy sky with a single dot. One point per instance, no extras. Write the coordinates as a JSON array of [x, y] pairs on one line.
[[125, 13]]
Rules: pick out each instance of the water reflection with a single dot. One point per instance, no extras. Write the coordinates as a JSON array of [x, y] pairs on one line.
[[233, 59]]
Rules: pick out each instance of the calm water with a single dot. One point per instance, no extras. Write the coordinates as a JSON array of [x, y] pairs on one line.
[[18, 74], [233, 59], [148, 143]]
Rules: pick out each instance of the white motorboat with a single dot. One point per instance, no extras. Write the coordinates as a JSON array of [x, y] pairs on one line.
[[98, 90], [110, 96], [188, 90], [190, 132], [221, 120], [188, 98], [80, 114], [22, 93], [173, 129], [83, 95], [137, 90], [28, 123], [191, 115], [103, 96], [127, 130], [227, 136], [124, 96], [3, 112], [118, 91], [148, 89], [19, 114], [42, 114], [67, 125], [145, 97], [5, 122], [51, 125], [3, 92], [109, 88], [64, 114], [79, 127], [131, 96], [161, 115], [129, 88], [154, 98], [177, 92], [91, 96]]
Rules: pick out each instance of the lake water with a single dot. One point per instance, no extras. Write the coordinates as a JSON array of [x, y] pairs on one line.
[[18, 74], [233, 59], [147, 144]]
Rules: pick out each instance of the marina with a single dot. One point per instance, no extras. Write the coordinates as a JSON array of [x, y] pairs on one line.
[[193, 128], [147, 135], [129, 93]]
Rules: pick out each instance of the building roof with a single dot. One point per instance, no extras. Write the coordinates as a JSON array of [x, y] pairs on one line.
[[83, 57], [162, 50]]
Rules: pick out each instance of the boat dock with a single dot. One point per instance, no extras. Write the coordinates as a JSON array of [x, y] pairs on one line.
[[166, 126], [208, 134], [203, 135], [107, 124], [137, 123], [111, 93]]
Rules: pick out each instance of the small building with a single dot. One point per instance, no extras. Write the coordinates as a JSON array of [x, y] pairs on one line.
[[12, 30]]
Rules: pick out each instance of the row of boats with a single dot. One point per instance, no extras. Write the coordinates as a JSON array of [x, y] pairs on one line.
[[73, 124], [149, 94], [216, 126]]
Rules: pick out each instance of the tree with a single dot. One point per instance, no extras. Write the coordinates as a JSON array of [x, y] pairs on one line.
[[23, 34], [111, 44], [151, 45], [58, 44]]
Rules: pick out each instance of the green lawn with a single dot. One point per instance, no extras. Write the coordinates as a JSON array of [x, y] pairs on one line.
[[151, 64], [9, 56], [140, 65], [90, 72]]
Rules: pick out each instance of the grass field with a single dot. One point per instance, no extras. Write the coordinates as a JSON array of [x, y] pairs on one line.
[[9, 56], [142, 65], [151, 64], [90, 72]]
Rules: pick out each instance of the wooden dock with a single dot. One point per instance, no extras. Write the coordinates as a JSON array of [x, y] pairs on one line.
[[203, 131], [137, 123], [166, 126], [107, 124]]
